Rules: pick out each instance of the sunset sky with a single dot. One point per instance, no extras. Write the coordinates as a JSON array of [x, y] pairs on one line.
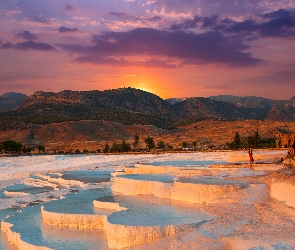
[[172, 48]]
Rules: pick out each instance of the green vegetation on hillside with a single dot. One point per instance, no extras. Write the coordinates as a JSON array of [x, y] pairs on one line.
[[254, 140], [53, 113]]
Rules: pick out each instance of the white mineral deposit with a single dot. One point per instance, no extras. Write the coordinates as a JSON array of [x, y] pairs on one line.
[[168, 201]]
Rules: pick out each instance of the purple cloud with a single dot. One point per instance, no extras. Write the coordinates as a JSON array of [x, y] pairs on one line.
[[68, 30], [122, 62], [26, 35], [34, 46], [279, 23], [69, 8], [187, 48], [39, 19], [7, 46], [27, 46]]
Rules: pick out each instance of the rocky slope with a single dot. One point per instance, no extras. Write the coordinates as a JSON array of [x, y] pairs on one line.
[[10, 100], [133, 106], [94, 134]]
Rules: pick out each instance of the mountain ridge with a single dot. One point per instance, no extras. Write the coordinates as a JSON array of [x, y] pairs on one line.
[[134, 106], [10, 100]]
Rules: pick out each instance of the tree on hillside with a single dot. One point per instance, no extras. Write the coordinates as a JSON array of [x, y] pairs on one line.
[[237, 140], [125, 147], [136, 140], [160, 145], [122, 147], [149, 142], [11, 146], [26, 149], [184, 144], [41, 148], [106, 148], [255, 140]]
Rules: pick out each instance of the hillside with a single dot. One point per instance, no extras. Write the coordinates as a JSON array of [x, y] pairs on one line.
[[247, 101], [130, 106], [127, 106], [88, 119], [10, 100], [124, 99], [204, 107], [93, 134]]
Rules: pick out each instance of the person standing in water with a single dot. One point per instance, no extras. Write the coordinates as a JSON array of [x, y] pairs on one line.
[[251, 154]]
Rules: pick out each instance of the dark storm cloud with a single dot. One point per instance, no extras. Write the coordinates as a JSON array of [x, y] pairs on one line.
[[26, 35], [279, 23], [187, 48], [68, 30]]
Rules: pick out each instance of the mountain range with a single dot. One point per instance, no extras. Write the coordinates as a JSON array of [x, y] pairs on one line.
[[133, 106], [10, 100]]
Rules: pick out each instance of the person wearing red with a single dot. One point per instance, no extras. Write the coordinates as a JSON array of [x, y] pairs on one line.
[[251, 155]]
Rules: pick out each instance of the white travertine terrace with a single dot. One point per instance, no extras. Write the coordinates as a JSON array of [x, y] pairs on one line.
[[213, 170], [181, 191], [200, 193], [121, 236], [108, 205], [15, 238], [136, 187], [12, 193], [248, 215], [54, 182], [118, 236], [74, 220], [40, 183], [283, 191]]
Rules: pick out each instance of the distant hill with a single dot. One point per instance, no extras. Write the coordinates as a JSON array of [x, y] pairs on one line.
[[127, 106], [124, 99], [248, 101], [131, 106], [176, 100], [10, 100]]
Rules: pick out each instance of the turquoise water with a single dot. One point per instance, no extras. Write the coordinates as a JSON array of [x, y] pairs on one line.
[[77, 203], [29, 224], [28, 189], [147, 210], [88, 176], [212, 181], [186, 163], [143, 210], [3, 240], [149, 177]]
